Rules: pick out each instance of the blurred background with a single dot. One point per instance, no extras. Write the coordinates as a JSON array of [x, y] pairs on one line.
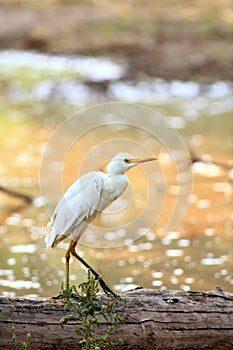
[[57, 57]]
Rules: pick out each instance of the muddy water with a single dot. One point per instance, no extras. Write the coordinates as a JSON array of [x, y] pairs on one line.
[[38, 93]]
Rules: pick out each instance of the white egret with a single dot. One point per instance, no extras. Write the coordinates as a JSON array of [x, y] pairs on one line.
[[83, 200]]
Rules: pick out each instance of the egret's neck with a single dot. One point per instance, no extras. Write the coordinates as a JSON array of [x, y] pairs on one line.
[[113, 170], [117, 178], [114, 186]]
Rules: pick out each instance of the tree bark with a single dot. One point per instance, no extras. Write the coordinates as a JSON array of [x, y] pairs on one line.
[[153, 320]]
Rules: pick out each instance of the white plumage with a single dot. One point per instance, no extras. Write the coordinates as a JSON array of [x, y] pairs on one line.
[[77, 206], [83, 200]]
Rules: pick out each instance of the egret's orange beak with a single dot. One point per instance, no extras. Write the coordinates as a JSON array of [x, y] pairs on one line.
[[141, 160]]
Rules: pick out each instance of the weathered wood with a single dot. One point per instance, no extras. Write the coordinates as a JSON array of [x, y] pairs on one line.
[[154, 320]]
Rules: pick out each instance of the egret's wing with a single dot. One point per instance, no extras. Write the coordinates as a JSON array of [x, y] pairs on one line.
[[78, 204]]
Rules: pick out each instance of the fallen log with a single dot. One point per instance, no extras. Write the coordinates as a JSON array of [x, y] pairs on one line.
[[153, 320]]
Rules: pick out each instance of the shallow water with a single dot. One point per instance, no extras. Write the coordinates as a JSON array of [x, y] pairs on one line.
[[38, 93]]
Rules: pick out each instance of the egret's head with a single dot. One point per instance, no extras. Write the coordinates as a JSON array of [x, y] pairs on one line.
[[123, 162]]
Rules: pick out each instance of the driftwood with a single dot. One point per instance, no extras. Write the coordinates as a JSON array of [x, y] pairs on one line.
[[153, 320], [28, 199]]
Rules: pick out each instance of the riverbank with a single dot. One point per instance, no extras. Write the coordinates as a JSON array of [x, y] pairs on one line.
[[167, 41]]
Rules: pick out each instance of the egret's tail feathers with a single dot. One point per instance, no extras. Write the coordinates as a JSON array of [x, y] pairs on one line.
[[48, 237]]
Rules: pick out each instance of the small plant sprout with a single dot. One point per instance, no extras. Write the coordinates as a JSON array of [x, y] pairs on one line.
[[84, 306], [25, 345]]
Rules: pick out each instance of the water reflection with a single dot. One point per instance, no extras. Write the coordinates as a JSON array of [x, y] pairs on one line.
[[90, 67], [198, 255], [69, 78], [23, 248], [20, 284]]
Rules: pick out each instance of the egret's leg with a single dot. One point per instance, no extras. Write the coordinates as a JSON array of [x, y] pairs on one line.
[[95, 273], [67, 256]]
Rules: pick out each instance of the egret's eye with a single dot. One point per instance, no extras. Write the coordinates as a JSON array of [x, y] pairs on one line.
[[126, 160]]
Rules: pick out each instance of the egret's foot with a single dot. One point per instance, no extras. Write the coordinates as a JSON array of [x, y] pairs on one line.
[[66, 294], [105, 288], [56, 297], [75, 296]]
